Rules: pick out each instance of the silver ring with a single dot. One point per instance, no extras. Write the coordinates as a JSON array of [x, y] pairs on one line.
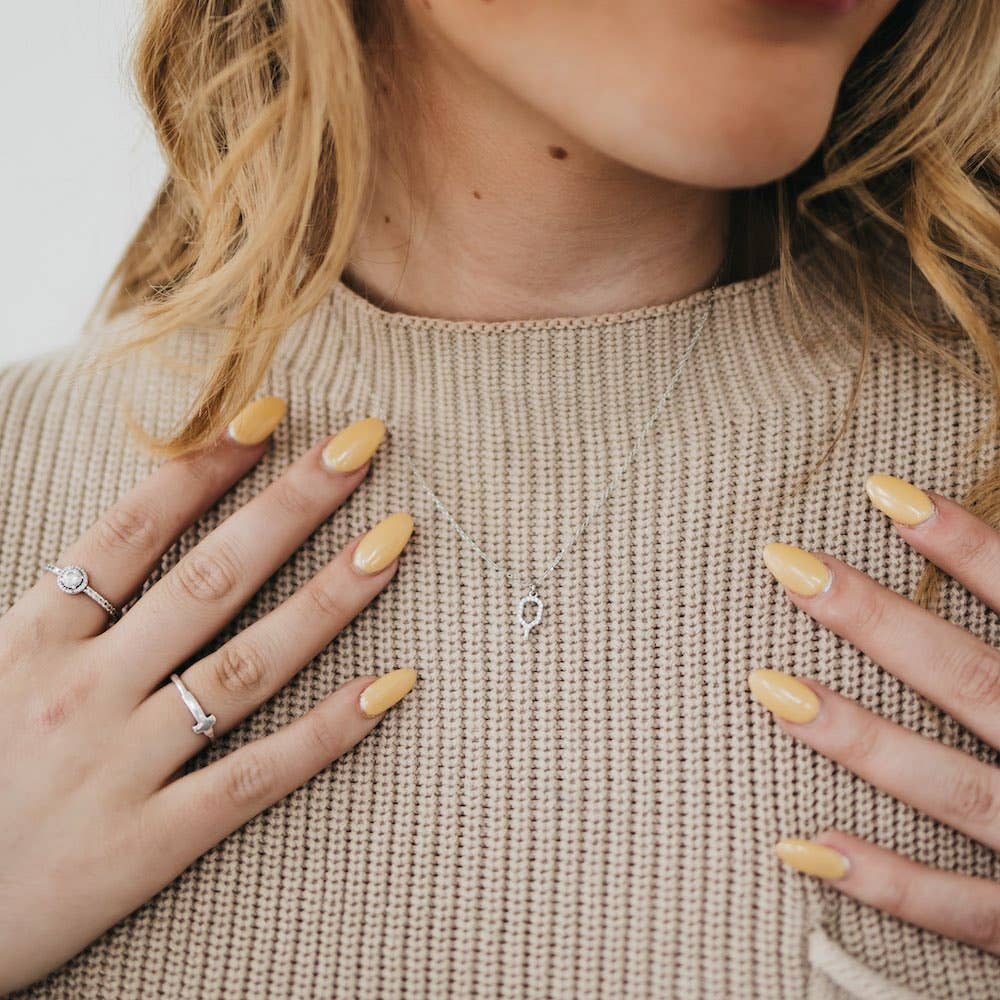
[[204, 724], [73, 580]]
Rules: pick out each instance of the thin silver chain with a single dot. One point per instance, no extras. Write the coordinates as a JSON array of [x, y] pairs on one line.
[[508, 574]]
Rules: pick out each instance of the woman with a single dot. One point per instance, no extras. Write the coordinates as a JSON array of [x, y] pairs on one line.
[[515, 275]]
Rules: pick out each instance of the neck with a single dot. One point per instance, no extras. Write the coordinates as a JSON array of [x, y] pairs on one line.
[[482, 209]]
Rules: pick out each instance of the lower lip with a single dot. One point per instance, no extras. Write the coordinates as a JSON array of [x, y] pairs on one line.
[[820, 6]]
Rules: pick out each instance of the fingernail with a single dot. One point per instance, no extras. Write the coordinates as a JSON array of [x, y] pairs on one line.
[[354, 445], [784, 695], [257, 420], [800, 571], [812, 858], [386, 691], [901, 500], [383, 543]]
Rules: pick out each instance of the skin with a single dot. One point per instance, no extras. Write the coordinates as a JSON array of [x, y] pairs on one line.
[[95, 819], [691, 99], [661, 107], [953, 669]]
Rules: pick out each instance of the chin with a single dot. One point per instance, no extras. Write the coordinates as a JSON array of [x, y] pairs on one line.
[[732, 145], [720, 93], [739, 150]]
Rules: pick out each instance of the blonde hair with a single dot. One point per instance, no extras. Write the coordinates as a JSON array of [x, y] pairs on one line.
[[270, 138]]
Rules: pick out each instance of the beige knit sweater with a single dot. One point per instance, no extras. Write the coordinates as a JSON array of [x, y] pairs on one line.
[[588, 812]]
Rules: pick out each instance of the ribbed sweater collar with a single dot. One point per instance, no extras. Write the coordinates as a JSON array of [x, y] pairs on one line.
[[746, 356]]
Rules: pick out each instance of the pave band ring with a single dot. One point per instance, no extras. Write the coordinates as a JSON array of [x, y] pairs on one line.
[[204, 724], [73, 580]]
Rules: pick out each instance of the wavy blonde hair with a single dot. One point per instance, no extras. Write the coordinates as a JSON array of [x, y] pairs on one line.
[[270, 138]]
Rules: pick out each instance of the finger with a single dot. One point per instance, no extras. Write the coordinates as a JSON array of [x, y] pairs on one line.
[[945, 663], [195, 812], [128, 540], [241, 675], [937, 780], [963, 545], [955, 906], [209, 585]]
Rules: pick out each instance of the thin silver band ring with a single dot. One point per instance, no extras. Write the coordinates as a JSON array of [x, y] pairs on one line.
[[204, 724], [73, 580]]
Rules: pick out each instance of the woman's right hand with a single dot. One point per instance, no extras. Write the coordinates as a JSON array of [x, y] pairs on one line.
[[95, 818]]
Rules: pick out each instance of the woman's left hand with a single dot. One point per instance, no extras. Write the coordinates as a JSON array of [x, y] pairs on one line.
[[945, 663]]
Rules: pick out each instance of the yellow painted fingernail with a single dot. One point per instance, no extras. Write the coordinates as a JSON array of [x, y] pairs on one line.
[[901, 500], [257, 421], [383, 543], [800, 571], [387, 690], [784, 695], [354, 445], [812, 858]]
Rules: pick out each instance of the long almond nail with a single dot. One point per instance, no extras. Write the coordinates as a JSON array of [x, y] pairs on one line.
[[812, 858], [784, 695], [257, 421], [383, 543], [901, 500], [354, 445], [801, 572], [386, 691]]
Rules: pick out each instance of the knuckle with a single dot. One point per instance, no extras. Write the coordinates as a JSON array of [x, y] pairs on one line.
[[859, 749], [975, 676], [206, 576], [325, 737], [68, 699], [200, 469], [127, 526], [969, 547], [290, 498], [894, 894], [240, 670], [982, 926], [327, 600], [868, 613], [250, 781], [973, 800]]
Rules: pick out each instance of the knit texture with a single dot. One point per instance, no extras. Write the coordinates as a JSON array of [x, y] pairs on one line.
[[588, 812]]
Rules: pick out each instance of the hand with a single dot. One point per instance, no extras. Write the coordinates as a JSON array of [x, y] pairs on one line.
[[945, 663], [95, 818]]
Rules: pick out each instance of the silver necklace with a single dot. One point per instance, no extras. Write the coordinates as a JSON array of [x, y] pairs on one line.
[[531, 600]]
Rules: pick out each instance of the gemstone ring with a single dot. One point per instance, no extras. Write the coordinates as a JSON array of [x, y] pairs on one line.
[[73, 580]]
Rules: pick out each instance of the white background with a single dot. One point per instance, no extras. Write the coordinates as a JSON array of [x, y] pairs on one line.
[[78, 169]]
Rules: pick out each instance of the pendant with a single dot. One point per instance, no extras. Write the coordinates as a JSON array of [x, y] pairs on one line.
[[528, 624]]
